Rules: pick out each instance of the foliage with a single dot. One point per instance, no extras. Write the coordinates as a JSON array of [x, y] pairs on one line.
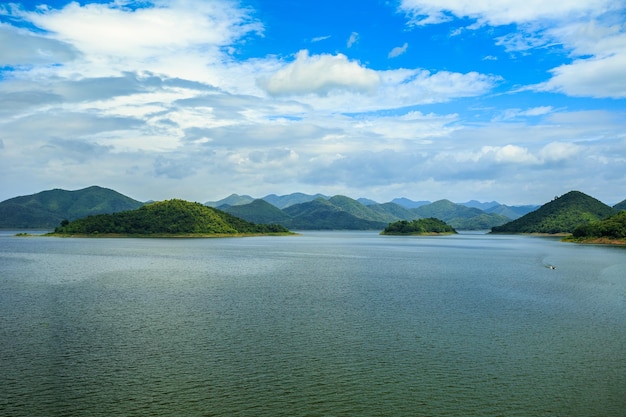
[[418, 227], [322, 214], [613, 227], [258, 211], [47, 208], [340, 212], [561, 215], [166, 217], [460, 216], [483, 221], [620, 206]]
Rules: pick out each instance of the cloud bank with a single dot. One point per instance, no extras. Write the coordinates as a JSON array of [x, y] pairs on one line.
[[154, 101]]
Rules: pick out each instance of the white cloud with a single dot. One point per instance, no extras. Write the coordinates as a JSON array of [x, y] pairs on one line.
[[558, 151], [20, 47], [320, 74], [537, 111], [589, 29], [320, 38], [174, 37], [594, 77], [502, 12], [509, 154], [398, 50], [119, 108], [354, 37]]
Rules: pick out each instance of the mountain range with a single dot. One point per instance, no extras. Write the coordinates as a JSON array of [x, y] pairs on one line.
[[295, 211], [305, 211]]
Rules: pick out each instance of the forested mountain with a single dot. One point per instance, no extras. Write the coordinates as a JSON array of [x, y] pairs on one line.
[[459, 216], [512, 212], [561, 215], [357, 209], [341, 212], [231, 200], [170, 217], [407, 203], [258, 211], [280, 201], [284, 201], [298, 210], [47, 209], [620, 206], [321, 214], [393, 211], [479, 205], [366, 201]]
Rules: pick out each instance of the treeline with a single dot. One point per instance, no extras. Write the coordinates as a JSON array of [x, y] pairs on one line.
[[167, 217], [613, 227], [429, 225]]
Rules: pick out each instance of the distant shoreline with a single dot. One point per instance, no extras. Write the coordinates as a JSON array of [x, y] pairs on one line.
[[417, 234], [155, 235], [594, 240]]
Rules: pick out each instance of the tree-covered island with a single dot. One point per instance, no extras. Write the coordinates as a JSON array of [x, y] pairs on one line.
[[170, 218], [419, 227]]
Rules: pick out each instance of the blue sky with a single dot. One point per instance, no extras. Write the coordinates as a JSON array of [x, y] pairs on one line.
[[427, 99]]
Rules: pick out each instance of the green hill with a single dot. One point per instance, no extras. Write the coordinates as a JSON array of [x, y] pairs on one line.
[[561, 215], [231, 200], [170, 217], [393, 212], [259, 211], [460, 216], [322, 214], [357, 209], [284, 201], [48, 208], [609, 230], [620, 206], [429, 226], [512, 212]]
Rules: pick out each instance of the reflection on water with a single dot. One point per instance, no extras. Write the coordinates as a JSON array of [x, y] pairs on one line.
[[327, 323]]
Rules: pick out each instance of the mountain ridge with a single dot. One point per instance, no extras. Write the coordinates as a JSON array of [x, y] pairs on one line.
[[48, 208], [311, 211], [561, 215]]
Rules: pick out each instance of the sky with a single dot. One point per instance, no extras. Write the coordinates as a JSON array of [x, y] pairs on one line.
[[513, 101]]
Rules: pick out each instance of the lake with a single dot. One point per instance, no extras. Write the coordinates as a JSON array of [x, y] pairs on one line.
[[321, 324]]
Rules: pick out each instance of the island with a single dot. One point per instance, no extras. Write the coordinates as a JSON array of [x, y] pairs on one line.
[[420, 227], [170, 218]]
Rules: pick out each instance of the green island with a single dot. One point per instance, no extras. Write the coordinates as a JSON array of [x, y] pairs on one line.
[[170, 218], [419, 227], [611, 231]]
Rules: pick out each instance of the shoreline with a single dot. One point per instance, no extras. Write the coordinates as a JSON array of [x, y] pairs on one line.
[[155, 235], [595, 241]]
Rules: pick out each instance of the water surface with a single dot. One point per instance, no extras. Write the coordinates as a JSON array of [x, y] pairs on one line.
[[323, 324]]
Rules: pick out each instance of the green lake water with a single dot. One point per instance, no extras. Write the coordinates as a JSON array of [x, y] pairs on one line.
[[322, 324]]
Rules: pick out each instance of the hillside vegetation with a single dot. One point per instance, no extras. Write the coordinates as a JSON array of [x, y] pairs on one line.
[[609, 230], [171, 217], [429, 226], [48, 208], [322, 214], [460, 216], [341, 212], [561, 215]]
